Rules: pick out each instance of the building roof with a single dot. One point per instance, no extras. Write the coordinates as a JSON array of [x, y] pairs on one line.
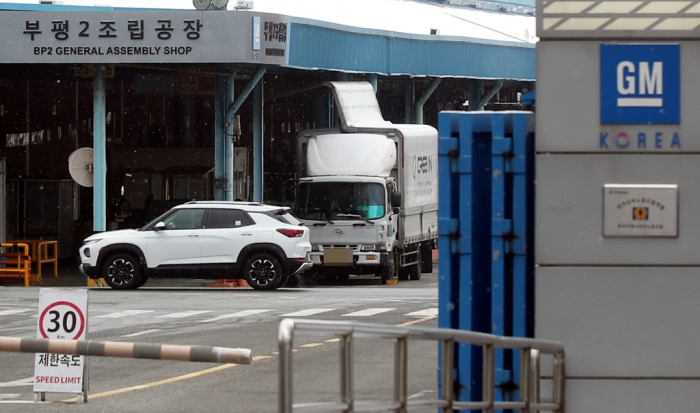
[[387, 37], [410, 17]]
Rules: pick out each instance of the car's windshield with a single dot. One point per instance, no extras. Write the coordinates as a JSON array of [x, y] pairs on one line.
[[190, 218], [155, 221], [340, 200]]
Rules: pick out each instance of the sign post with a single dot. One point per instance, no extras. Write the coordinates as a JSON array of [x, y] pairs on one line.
[[62, 314]]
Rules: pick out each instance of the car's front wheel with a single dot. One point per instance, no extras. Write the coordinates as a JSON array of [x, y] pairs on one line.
[[263, 271], [122, 271]]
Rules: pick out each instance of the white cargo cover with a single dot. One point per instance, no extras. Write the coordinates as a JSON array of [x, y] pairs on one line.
[[420, 186], [360, 154], [357, 105]]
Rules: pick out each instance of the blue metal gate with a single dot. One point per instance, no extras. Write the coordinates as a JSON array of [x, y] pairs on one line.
[[486, 221]]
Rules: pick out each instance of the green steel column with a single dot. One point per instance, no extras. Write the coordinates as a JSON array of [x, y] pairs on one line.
[[258, 142], [373, 81], [100, 151], [410, 100], [418, 109], [228, 141], [219, 163]]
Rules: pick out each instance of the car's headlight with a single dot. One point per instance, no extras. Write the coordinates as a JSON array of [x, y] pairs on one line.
[[91, 241]]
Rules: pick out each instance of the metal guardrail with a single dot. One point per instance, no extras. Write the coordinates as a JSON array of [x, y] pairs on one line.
[[16, 264], [42, 252], [530, 349]]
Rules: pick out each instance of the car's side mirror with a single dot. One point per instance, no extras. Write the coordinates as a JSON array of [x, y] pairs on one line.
[[396, 199], [159, 226], [395, 210]]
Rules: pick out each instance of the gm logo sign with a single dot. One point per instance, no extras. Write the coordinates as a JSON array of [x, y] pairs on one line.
[[640, 84]]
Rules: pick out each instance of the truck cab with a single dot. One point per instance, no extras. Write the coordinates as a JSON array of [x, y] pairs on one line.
[[368, 191], [350, 215]]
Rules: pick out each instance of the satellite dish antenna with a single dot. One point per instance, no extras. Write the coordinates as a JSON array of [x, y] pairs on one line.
[[219, 4], [80, 166], [201, 4]]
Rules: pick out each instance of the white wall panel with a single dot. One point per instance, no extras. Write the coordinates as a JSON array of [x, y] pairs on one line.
[[621, 322], [569, 209]]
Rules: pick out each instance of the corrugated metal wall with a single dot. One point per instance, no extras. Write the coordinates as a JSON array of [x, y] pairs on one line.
[[336, 49]]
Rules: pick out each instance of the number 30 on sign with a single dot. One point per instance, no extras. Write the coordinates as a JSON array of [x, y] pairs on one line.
[[62, 319]]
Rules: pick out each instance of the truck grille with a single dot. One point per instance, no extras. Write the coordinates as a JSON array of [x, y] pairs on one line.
[[354, 247]]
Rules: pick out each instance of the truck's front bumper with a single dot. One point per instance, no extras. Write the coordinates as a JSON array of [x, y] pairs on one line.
[[369, 258]]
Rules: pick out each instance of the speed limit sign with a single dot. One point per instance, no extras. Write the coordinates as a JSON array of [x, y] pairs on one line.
[[62, 319], [62, 315]]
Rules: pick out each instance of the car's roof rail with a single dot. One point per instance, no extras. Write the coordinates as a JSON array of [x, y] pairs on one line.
[[226, 203]]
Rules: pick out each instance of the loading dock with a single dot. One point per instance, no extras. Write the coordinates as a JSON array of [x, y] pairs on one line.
[[171, 126]]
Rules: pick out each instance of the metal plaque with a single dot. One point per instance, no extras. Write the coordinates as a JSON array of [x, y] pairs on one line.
[[337, 257], [640, 210], [144, 36]]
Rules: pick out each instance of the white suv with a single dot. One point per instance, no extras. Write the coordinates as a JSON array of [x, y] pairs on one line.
[[206, 239]]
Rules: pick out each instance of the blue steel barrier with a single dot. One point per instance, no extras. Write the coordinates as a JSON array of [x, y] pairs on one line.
[[485, 239]]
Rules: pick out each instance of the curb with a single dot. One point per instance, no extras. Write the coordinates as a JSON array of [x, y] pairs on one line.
[[224, 283]]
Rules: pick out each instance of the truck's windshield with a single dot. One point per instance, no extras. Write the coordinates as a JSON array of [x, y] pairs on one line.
[[340, 200]]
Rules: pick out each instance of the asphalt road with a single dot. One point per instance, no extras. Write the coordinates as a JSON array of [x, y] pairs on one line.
[[241, 318]]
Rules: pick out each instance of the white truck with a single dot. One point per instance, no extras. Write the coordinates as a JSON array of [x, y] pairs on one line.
[[368, 191]]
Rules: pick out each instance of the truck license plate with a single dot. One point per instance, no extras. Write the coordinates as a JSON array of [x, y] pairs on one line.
[[337, 257]]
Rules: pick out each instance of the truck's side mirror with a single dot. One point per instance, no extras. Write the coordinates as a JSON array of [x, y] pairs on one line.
[[396, 199]]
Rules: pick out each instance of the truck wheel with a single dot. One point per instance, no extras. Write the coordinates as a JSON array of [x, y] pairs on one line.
[[404, 273], [262, 272], [122, 271], [388, 272], [426, 263], [415, 270]]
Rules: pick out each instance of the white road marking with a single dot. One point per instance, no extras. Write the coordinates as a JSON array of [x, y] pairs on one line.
[[140, 333], [308, 312], [368, 312], [125, 313], [243, 313], [16, 311], [9, 395], [184, 314], [29, 381], [424, 313]]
